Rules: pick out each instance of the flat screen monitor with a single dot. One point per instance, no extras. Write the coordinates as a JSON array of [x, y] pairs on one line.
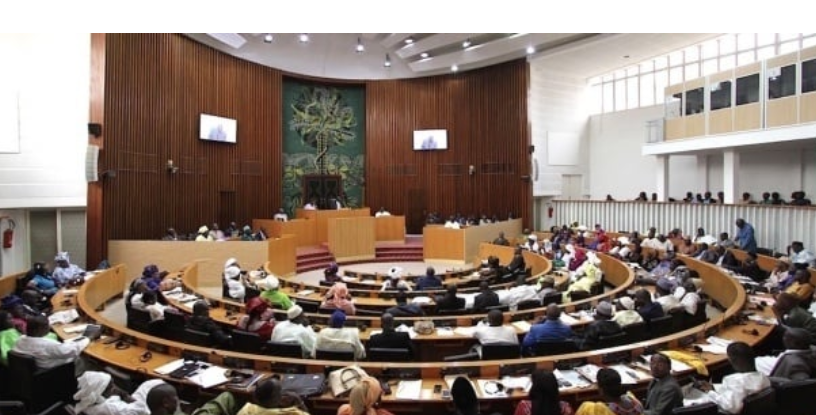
[[430, 139], [213, 128]]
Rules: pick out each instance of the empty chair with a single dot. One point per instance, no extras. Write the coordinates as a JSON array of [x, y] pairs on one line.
[[342, 355], [308, 306], [554, 298], [383, 354], [795, 397], [760, 403], [283, 349], [709, 408], [661, 326], [138, 320], [554, 348], [496, 351], [247, 342], [197, 338], [636, 332], [528, 304], [174, 324], [38, 389], [614, 340], [579, 295]]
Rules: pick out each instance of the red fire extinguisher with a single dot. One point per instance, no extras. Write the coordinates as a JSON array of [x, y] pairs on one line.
[[550, 212], [8, 234]]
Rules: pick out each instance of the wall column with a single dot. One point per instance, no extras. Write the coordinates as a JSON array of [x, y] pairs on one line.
[[731, 175], [702, 173], [662, 178]]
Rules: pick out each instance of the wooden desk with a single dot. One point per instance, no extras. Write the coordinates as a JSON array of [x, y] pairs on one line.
[[351, 239], [390, 228], [304, 231], [8, 283], [463, 245], [321, 218]]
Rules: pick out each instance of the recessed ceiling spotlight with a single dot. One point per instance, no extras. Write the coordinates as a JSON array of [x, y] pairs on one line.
[[530, 50], [360, 48], [466, 44], [303, 37], [268, 38], [409, 40], [625, 56], [454, 68], [424, 55], [387, 62]]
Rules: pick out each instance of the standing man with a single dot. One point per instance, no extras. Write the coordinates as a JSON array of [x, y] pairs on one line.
[[745, 236], [664, 393]]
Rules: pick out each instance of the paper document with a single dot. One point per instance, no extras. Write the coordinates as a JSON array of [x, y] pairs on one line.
[[568, 379], [589, 371], [421, 300], [444, 331], [517, 382], [629, 376], [209, 377], [491, 388], [568, 319], [304, 293], [79, 328], [63, 317], [409, 389], [522, 325], [169, 367]]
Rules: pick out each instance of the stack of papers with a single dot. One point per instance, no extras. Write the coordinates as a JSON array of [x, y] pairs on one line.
[[79, 328], [628, 375], [676, 365], [169, 367], [768, 321], [716, 345], [209, 377], [402, 328], [409, 389], [421, 300], [444, 331], [589, 371], [517, 382], [522, 325], [568, 319], [304, 293], [63, 317], [568, 379]]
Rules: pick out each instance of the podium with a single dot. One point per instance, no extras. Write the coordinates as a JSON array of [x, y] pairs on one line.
[[352, 238]]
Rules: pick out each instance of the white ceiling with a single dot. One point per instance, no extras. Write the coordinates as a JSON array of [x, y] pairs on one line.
[[333, 55]]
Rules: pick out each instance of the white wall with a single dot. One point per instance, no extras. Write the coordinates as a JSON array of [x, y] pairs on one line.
[[557, 106], [51, 77], [15, 259]]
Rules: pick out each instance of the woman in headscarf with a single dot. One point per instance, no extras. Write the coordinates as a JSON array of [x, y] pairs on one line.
[[330, 274], [234, 280], [97, 395], [270, 400], [363, 399], [338, 297], [395, 281], [616, 402], [543, 397], [258, 319], [65, 271]]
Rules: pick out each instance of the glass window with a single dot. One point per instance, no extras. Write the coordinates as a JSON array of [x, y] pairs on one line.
[[710, 67], [647, 66], [620, 94], [745, 58], [728, 44], [676, 58], [727, 62], [720, 95], [661, 82], [781, 81], [788, 47], [809, 76], [595, 97], [748, 89], [695, 101], [673, 106], [632, 71], [608, 77], [647, 89], [632, 95], [661, 62], [608, 97], [676, 75], [710, 49], [766, 52], [620, 74], [788, 36], [692, 53], [764, 39], [692, 70], [746, 41], [808, 42]]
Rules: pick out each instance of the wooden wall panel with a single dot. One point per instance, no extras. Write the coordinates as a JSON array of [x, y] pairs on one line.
[[156, 85], [485, 113]]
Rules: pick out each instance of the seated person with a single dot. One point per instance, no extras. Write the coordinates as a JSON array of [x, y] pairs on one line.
[[235, 280], [789, 314], [246, 234], [204, 234], [390, 338], [449, 301], [330, 274], [492, 270], [578, 258], [615, 400], [152, 305], [258, 319], [602, 326], [546, 286], [135, 294], [778, 273], [543, 397], [802, 289], [708, 253], [687, 247], [430, 281], [41, 280], [338, 297], [626, 313], [688, 297], [403, 309], [517, 264], [486, 297], [395, 281], [796, 362], [269, 399], [98, 395], [729, 395], [531, 244], [799, 255], [202, 322], [382, 212], [272, 293], [310, 205], [549, 331], [46, 351], [452, 223], [170, 235], [494, 331], [9, 335], [586, 276], [664, 297], [281, 216], [703, 238], [339, 338], [152, 277], [726, 242], [296, 330], [65, 271], [501, 240]]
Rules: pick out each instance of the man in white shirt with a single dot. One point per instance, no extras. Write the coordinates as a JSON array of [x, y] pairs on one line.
[[382, 212], [627, 314], [664, 297], [339, 338], [296, 330], [232, 277], [97, 395], [452, 223], [729, 395], [312, 205], [800, 255], [281, 216], [689, 299], [494, 331], [48, 353]]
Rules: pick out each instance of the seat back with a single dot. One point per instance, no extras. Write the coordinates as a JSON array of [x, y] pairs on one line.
[[283, 349], [613, 340], [246, 342], [197, 338], [636, 332], [37, 388], [554, 298], [760, 403], [528, 304], [501, 307], [174, 324], [554, 348], [466, 357], [496, 351], [709, 408], [661, 326], [795, 397], [138, 320], [342, 355], [383, 354], [309, 306]]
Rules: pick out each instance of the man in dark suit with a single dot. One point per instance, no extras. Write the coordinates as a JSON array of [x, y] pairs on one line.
[[430, 281], [664, 393], [403, 309], [389, 338], [797, 362], [486, 298], [450, 301]]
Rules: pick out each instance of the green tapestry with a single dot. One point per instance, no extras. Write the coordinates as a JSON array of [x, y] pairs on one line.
[[323, 133]]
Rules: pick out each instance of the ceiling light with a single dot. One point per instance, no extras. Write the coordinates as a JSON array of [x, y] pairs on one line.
[[424, 55], [454, 68], [303, 37], [360, 48], [530, 50], [409, 40], [466, 43], [268, 38], [387, 62]]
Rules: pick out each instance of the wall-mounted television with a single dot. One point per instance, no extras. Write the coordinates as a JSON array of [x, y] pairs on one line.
[[214, 128], [430, 139]]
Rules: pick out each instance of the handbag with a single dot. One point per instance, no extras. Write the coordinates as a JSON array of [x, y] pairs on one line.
[[342, 380], [304, 385], [424, 327]]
